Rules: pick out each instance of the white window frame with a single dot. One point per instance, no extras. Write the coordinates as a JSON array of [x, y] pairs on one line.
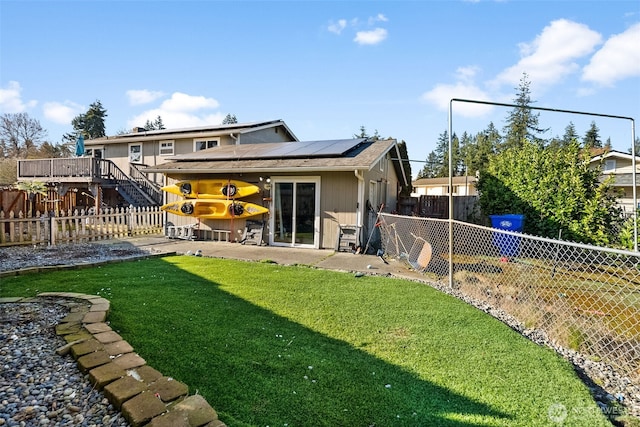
[[166, 148], [316, 223], [209, 143], [135, 157], [609, 165]]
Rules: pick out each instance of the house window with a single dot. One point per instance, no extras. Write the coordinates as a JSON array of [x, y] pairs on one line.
[[135, 153], [445, 189], [166, 148], [609, 165], [95, 152], [203, 144]]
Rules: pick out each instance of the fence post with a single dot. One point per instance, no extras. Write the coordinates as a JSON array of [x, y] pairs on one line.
[[131, 219], [52, 229]]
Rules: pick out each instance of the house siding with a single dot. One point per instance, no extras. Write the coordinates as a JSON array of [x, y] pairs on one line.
[[338, 204], [346, 197], [117, 149]]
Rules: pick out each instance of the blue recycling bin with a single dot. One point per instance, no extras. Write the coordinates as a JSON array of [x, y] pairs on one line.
[[508, 245]]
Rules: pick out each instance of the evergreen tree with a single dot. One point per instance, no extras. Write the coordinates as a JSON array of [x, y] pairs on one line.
[[442, 155], [154, 125], [636, 146], [364, 134], [483, 145], [457, 157], [431, 167], [230, 119], [522, 122], [461, 166], [570, 135], [437, 164], [89, 124], [592, 137], [403, 163]]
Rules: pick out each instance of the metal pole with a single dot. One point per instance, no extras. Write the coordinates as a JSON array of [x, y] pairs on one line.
[[633, 182], [450, 195]]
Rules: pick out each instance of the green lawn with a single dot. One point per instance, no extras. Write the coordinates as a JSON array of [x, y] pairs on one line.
[[294, 346]]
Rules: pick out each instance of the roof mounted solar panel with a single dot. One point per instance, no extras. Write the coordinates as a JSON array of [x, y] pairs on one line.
[[308, 149], [312, 149]]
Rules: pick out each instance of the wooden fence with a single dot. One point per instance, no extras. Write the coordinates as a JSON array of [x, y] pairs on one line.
[[78, 226], [464, 207]]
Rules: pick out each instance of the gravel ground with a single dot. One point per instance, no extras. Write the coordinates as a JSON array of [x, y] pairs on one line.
[[37, 386], [16, 257]]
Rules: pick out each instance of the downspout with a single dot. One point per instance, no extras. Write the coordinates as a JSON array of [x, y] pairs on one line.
[[360, 202], [235, 138]]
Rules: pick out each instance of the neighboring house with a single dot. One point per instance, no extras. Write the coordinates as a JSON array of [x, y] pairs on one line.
[[110, 172], [310, 188], [462, 186], [619, 165]]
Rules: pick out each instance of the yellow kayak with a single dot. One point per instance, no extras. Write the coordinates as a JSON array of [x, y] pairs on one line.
[[214, 208], [212, 189]]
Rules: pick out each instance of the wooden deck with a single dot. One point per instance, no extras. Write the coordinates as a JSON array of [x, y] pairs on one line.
[[65, 169]]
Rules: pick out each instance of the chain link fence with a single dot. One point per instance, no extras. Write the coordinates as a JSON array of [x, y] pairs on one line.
[[585, 298]]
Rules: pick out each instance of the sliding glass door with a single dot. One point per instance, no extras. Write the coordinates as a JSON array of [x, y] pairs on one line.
[[296, 211]]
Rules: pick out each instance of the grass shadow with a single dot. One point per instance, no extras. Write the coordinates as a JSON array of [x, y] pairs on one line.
[[257, 367], [254, 366]]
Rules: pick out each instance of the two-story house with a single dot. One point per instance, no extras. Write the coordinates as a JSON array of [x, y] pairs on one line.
[[110, 172], [619, 165]]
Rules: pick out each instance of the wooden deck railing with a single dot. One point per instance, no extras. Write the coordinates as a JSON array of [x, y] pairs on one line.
[[137, 188], [85, 167], [78, 226]]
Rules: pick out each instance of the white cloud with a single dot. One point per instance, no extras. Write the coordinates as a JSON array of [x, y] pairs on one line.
[[363, 37], [378, 18], [441, 95], [552, 54], [138, 97], [370, 37], [183, 102], [62, 113], [337, 27], [182, 111], [467, 73], [619, 58], [11, 99]]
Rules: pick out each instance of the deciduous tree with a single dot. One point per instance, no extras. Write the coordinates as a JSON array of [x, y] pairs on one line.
[[20, 135], [555, 189]]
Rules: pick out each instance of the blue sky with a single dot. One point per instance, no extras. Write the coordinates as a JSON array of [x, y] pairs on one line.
[[324, 67]]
